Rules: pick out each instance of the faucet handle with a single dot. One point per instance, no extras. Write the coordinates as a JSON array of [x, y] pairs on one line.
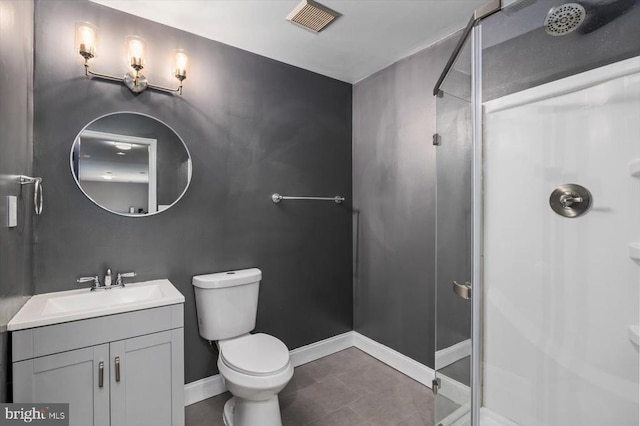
[[124, 275], [95, 279]]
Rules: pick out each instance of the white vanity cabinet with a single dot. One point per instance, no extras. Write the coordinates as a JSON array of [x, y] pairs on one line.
[[125, 369]]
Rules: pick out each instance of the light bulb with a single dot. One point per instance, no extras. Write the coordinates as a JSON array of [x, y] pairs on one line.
[[180, 61], [136, 48], [86, 35]]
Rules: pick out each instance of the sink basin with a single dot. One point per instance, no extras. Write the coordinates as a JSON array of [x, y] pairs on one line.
[[54, 308], [97, 299]]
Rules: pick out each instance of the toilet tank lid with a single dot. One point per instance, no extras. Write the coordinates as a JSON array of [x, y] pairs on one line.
[[227, 279]]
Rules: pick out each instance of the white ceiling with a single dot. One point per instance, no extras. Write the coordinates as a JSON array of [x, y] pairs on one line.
[[370, 34]]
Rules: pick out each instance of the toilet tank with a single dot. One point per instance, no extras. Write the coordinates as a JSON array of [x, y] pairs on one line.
[[227, 303]]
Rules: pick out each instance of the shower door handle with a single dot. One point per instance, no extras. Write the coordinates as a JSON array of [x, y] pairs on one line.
[[462, 290]]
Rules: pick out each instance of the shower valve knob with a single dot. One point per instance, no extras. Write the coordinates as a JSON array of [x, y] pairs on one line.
[[570, 200]]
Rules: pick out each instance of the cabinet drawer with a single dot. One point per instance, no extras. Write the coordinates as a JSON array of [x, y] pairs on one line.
[[51, 339]]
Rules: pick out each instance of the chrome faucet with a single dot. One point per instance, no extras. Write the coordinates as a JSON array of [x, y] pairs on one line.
[[107, 280]]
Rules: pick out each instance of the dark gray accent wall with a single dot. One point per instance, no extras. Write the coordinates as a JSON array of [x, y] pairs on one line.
[[16, 121], [253, 126], [394, 199]]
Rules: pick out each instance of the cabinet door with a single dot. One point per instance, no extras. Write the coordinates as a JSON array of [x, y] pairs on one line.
[[69, 377], [147, 380]]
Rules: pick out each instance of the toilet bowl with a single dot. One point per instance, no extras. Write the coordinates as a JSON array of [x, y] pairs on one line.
[[254, 367]]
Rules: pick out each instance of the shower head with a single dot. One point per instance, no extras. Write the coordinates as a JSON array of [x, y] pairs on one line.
[[563, 19], [588, 15]]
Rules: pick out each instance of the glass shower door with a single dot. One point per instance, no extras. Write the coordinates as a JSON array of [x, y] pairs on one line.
[[453, 245]]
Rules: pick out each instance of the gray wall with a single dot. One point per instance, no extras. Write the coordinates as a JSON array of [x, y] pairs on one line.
[[253, 126], [16, 118], [394, 198]]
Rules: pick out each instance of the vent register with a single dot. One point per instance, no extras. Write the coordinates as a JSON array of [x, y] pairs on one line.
[[312, 16]]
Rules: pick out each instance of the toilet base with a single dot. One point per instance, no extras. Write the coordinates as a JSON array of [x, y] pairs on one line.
[[242, 412]]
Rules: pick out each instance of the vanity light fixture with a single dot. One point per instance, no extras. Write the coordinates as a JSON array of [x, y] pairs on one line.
[[86, 41]]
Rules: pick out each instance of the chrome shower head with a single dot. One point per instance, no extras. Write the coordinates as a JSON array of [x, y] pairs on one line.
[[587, 15], [563, 19]]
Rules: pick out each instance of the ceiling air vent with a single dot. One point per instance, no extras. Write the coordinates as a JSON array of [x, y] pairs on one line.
[[312, 16]]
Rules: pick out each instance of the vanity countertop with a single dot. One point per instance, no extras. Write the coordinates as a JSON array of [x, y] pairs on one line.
[[63, 306]]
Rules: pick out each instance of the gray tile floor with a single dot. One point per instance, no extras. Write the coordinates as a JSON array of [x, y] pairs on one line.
[[348, 388]]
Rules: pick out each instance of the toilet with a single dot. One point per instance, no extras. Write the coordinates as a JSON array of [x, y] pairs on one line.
[[254, 367]]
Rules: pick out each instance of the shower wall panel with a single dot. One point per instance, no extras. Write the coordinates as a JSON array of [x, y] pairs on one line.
[[560, 294]]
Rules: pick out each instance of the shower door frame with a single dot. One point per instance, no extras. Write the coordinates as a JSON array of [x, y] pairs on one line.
[[477, 224], [474, 30]]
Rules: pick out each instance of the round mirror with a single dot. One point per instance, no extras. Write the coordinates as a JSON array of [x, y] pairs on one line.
[[131, 164]]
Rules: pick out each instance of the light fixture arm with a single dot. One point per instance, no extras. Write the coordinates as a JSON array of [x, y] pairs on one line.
[[135, 82], [167, 89], [90, 73]]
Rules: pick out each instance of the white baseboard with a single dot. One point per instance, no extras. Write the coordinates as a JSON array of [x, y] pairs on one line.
[[394, 359], [317, 350], [202, 389], [454, 390], [450, 388], [451, 354], [214, 385], [460, 417]]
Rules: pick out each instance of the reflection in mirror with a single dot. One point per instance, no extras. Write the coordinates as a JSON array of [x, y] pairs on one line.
[[131, 164]]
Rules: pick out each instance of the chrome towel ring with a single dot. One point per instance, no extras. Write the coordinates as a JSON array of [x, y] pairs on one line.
[[38, 195]]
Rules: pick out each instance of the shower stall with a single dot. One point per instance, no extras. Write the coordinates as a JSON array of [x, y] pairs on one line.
[[538, 217]]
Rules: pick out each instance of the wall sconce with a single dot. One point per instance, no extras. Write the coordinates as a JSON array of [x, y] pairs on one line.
[[86, 40]]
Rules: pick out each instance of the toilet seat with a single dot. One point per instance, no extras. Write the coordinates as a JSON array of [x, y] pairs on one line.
[[255, 355]]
